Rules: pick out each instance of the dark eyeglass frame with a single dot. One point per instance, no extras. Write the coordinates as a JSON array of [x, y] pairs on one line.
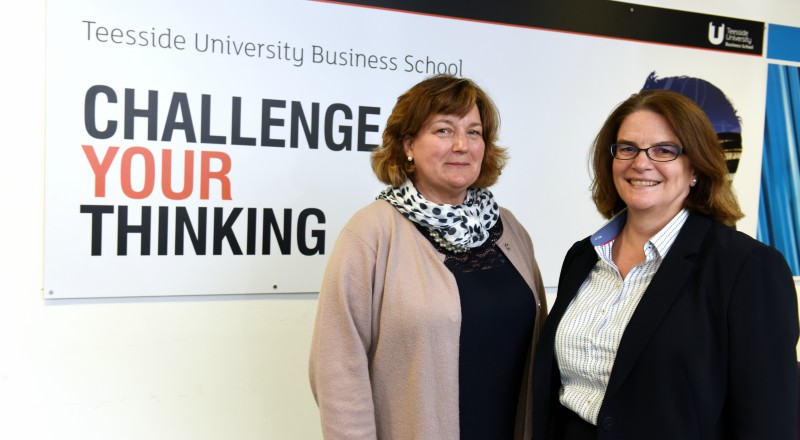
[[646, 151]]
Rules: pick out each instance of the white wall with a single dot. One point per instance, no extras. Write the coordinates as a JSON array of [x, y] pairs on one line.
[[165, 368], [168, 368]]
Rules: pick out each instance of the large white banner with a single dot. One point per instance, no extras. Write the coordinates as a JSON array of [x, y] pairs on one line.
[[198, 148]]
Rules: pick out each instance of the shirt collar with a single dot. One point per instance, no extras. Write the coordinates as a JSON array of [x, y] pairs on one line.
[[610, 230], [662, 240]]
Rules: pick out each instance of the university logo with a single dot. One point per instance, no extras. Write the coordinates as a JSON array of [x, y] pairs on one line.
[[716, 34]]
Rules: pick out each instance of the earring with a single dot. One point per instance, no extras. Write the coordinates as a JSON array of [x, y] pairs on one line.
[[410, 159], [694, 182]]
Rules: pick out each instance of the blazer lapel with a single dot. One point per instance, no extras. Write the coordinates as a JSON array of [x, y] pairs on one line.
[[571, 280], [658, 298], [579, 261]]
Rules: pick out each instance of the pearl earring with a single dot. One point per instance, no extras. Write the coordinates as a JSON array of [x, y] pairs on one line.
[[410, 158]]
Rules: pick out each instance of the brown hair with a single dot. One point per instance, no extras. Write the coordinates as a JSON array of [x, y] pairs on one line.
[[440, 94], [712, 195]]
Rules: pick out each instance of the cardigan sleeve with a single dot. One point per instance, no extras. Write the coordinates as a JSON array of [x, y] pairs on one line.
[[341, 342], [763, 331]]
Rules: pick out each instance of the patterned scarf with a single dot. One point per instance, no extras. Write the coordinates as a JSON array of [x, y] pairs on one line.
[[462, 226]]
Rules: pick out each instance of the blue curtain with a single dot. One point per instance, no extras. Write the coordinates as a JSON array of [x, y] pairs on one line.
[[779, 209]]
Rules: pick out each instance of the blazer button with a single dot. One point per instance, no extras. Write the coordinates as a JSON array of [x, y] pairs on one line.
[[608, 424]]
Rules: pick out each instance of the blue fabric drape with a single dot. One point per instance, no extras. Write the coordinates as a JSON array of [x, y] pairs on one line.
[[779, 209]]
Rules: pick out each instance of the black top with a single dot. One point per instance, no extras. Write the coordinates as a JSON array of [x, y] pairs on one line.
[[498, 313]]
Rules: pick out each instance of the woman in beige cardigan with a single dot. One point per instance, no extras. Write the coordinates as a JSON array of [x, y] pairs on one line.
[[432, 301]]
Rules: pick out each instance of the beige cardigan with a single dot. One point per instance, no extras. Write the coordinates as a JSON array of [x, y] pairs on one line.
[[385, 348]]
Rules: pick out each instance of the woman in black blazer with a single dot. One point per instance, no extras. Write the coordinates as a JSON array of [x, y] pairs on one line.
[[668, 323]]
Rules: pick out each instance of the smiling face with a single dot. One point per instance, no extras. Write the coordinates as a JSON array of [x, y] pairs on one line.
[[447, 152], [655, 189]]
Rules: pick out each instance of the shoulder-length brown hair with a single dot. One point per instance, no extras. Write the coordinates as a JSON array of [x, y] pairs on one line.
[[440, 94], [712, 195]]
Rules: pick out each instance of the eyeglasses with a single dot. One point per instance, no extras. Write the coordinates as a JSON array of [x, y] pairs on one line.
[[656, 153]]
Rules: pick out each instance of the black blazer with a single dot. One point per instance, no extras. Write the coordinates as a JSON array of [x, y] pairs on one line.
[[709, 353]]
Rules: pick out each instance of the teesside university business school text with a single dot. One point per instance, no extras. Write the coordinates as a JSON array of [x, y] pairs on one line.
[[279, 51]]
